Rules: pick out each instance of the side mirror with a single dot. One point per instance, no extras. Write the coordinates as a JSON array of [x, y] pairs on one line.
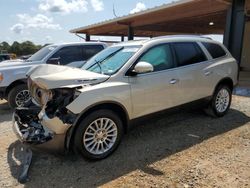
[[143, 67], [54, 61]]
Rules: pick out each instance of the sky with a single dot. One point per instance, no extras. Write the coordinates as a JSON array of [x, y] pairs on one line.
[[49, 21]]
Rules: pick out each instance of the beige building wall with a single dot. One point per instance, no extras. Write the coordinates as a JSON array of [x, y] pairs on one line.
[[245, 60], [247, 5]]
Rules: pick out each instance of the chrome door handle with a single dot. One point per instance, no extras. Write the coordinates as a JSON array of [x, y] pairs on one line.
[[207, 73], [174, 81]]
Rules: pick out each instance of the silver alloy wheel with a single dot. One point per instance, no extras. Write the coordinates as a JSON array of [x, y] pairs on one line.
[[22, 97], [100, 136], [222, 100]]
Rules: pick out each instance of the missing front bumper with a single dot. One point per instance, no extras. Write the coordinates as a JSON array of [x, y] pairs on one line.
[[33, 127]]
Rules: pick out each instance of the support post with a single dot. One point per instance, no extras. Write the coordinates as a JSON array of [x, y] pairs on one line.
[[122, 38], [87, 37], [226, 38], [130, 33], [234, 31]]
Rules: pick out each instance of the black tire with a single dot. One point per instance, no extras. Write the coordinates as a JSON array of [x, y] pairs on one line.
[[83, 126], [212, 110], [13, 93]]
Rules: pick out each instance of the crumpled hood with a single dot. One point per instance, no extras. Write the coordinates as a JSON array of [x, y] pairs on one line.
[[56, 76]]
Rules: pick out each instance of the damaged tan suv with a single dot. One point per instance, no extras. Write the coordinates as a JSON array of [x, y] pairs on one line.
[[89, 109]]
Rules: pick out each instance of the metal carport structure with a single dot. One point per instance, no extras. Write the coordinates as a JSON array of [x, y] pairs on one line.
[[227, 17]]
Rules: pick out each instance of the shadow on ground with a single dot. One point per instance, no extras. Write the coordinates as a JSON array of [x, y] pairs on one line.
[[5, 111], [144, 145]]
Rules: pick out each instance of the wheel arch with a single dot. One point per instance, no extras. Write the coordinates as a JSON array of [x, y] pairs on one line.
[[116, 107], [14, 84], [225, 81]]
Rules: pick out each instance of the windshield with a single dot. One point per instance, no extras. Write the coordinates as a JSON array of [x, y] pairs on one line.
[[38, 56], [110, 60]]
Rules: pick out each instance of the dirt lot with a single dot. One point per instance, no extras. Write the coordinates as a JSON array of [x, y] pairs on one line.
[[179, 150]]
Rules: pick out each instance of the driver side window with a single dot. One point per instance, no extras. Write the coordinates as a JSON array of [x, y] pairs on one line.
[[69, 54], [160, 57]]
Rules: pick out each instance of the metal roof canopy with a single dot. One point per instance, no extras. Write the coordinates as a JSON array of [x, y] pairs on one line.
[[187, 16]]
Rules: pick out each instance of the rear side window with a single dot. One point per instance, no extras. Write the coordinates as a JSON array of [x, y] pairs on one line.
[[215, 50], [91, 50], [188, 53]]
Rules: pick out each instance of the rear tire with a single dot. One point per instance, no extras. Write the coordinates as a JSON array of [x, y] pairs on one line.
[[98, 134], [220, 102], [19, 96]]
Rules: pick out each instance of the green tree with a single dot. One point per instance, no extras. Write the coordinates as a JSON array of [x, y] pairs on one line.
[[28, 47], [4, 47], [16, 48], [24, 48]]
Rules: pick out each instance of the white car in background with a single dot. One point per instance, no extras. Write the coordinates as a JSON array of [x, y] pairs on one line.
[[13, 86]]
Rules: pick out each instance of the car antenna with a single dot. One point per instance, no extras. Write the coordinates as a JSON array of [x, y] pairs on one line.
[[114, 10]]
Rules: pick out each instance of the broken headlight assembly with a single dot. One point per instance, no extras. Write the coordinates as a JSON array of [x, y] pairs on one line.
[[56, 105], [42, 96]]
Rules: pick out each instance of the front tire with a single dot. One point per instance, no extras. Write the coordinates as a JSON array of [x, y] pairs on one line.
[[98, 135], [221, 101], [19, 96]]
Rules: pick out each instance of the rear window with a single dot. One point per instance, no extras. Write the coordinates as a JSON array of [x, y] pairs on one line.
[[215, 50], [188, 53]]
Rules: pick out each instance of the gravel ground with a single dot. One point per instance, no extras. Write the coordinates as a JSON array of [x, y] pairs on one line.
[[178, 150]]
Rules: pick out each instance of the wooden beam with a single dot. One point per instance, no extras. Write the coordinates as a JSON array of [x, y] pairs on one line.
[[228, 2], [194, 30]]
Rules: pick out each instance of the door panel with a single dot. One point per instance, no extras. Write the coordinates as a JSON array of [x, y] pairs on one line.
[[194, 82], [155, 91]]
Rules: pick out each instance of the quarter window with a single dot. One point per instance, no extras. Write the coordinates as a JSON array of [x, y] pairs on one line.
[[188, 53], [215, 50], [160, 57]]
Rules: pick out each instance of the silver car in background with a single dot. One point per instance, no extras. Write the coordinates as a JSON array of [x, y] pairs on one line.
[[89, 109]]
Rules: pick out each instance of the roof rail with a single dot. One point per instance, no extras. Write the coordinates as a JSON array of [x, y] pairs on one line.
[[172, 36]]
